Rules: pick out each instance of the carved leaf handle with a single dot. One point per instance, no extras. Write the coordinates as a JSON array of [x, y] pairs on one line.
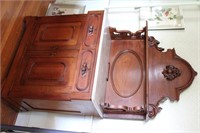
[[84, 69], [90, 30]]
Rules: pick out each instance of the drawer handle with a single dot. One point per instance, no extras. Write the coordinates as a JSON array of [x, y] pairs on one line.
[[84, 69], [90, 30]]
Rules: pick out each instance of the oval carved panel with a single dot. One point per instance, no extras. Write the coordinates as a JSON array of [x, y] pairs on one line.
[[126, 73], [85, 70]]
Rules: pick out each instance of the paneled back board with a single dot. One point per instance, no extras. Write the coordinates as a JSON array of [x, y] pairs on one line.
[[141, 75]]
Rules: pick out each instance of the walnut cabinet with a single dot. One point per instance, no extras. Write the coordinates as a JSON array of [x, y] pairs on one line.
[[78, 64]]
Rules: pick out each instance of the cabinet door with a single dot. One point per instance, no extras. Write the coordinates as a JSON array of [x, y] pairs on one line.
[[42, 75], [51, 34]]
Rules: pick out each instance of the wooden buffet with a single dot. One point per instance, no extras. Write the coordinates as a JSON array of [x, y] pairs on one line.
[[78, 64]]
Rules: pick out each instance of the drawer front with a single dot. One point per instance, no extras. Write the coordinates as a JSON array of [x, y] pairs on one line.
[[93, 29]]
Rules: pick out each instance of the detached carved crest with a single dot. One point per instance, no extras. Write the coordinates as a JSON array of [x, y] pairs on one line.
[[141, 75]]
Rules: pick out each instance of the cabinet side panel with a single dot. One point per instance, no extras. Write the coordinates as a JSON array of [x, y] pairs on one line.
[[102, 66]]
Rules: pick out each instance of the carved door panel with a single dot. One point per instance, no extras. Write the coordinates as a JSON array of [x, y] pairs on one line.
[[51, 34], [41, 75]]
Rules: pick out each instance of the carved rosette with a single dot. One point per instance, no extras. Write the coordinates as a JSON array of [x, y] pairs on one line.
[[171, 72]]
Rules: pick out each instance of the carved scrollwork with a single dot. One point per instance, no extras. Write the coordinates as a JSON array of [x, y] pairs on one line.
[[154, 110], [125, 34], [153, 42], [122, 108], [171, 72]]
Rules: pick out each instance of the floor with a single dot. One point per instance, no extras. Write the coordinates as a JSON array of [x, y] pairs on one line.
[[12, 14]]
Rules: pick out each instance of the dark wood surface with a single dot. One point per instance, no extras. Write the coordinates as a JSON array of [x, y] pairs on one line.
[[55, 64], [169, 75], [12, 14], [141, 76], [126, 92]]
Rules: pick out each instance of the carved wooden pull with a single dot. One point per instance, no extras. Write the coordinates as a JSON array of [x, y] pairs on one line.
[[90, 30], [171, 72], [84, 69]]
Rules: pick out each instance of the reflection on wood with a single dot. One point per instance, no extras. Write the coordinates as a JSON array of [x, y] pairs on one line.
[[12, 14]]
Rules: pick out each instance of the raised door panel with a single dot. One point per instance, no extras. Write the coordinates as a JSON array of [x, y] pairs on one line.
[[45, 71], [51, 36], [64, 32], [41, 76]]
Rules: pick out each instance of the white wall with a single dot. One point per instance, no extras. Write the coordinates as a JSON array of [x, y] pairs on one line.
[[176, 117]]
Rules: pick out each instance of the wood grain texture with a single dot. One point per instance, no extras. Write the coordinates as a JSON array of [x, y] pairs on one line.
[[125, 92], [12, 14], [48, 63], [166, 75], [11, 18]]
